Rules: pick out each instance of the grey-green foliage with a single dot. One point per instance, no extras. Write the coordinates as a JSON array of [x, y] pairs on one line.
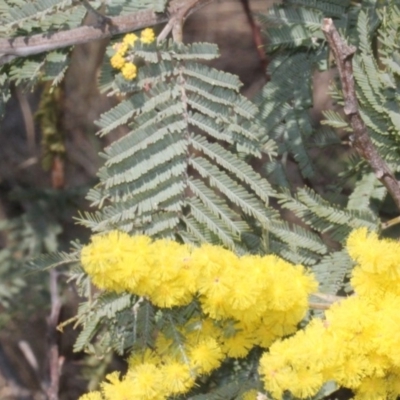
[[181, 171], [299, 49], [295, 39], [376, 73]]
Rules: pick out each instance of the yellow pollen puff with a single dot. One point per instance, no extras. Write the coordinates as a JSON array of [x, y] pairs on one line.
[[178, 378], [357, 344], [121, 48], [117, 61], [147, 36], [130, 39], [129, 71]]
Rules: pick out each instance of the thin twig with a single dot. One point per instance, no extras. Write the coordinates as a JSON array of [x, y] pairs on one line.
[[343, 54], [28, 120], [179, 10], [29, 355], [23, 46], [328, 299], [319, 306], [256, 32], [390, 223]]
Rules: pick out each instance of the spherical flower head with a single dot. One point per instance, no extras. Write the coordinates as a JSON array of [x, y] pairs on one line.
[[276, 374], [296, 363], [290, 285], [170, 294], [373, 254], [205, 356], [306, 383], [117, 389], [247, 287], [239, 344], [147, 36], [177, 378], [148, 382], [121, 48], [129, 71], [171, 282], [117, 61], [373, 388], [387, 340], [104, 259], [130, 39]]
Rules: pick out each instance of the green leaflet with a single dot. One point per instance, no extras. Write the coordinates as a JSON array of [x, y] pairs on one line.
[[180, 159]]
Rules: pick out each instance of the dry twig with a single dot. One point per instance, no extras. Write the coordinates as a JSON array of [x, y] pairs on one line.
[[343, 54]]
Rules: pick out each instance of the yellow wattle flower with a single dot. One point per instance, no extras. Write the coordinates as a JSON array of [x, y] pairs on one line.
[[117, 61], [205, 356], [129, 71], [147, 36], [177, 378], [130, 39]]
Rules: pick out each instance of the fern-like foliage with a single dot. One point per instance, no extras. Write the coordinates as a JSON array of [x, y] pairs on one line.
[[298, 49], [376, 73], [180, 171], [334, 222], [295, 40], [124, 321]]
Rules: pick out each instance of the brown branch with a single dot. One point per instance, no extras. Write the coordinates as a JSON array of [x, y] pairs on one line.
[[343, 54], [28, 45], [23, 46]]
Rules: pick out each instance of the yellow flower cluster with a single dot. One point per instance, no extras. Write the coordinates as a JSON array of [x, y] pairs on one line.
[[121, 59], [246, 301], [265, 293], [357, 345]]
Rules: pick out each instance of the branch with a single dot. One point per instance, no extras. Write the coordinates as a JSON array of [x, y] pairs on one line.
[[343, 54], [179, 10], [256, 32], [23, 46]]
